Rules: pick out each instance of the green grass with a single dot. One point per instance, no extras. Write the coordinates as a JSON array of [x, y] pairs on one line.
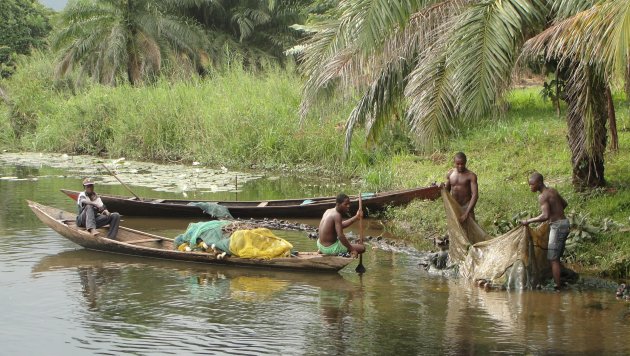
[[503, 152], [244, 120], [237, 119]]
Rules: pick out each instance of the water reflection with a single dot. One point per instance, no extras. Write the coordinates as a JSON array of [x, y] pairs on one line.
[[249, 308], [540, 322]]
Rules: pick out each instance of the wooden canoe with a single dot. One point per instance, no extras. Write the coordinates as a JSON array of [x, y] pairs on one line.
[[138, 243], [289, 208]]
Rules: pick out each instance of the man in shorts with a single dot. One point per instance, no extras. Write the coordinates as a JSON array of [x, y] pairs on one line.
[[462, 184], [552, 206], [332, 240]]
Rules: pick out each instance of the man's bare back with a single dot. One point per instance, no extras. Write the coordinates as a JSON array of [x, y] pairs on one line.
[[462, 184], [327, 233]]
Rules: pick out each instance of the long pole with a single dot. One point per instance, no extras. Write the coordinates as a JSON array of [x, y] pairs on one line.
[[360, 268], [121, 182]]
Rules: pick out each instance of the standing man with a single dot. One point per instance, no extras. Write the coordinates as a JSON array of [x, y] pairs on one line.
[[93, 213], [462, 184], [332, 240], [552, 206]]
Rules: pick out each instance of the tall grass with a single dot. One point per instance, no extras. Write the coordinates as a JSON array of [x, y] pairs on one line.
[[235, 118]]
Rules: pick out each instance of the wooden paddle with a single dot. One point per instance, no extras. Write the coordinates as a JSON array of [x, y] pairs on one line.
[[121, 182], [360, 268]]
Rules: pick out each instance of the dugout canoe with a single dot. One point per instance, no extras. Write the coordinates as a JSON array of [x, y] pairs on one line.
[[288, 208], [138, 243]]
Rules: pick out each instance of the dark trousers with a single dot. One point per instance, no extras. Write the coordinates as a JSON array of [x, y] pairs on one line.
[[90, 219]]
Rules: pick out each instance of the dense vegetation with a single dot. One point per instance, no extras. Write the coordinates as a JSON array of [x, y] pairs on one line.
[[24, 25], [236, 118], [208, 81], [503, 153]]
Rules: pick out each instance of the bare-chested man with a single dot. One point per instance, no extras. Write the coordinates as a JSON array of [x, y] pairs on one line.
[[462, 184], [332, 240], [552, 206]]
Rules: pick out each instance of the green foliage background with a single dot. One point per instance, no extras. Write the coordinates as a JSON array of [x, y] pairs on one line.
[[24, 24]]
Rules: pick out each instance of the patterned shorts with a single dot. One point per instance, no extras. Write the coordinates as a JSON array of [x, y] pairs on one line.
[[558, 232]]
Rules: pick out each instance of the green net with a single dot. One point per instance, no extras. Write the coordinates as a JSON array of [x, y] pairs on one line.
[[209, 231], [213, 209]]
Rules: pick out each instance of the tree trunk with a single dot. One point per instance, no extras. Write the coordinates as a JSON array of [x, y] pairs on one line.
[[557, 92], [133, 64], [612, 121], [586, 121]]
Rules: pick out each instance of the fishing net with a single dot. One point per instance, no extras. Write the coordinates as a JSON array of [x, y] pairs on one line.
[[213, 209], [240, 239], [211, 232], [258, 243], [516, 259]]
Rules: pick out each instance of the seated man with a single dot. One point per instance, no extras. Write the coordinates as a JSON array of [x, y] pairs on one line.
[[93, 213], [332, 240]]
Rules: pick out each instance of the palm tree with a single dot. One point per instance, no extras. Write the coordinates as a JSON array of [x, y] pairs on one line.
[[446, 62], [109, 37], [594, 44], [250, 31]]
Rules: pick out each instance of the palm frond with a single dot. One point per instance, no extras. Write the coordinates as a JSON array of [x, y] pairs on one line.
[[379, 103], [598, 36], [345, 52], [563, 9], [433, 110], [486, 39]]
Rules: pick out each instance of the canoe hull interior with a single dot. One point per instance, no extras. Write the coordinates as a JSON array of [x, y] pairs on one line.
[[138, 243]]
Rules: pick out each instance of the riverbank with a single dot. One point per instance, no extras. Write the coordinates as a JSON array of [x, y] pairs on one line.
[[249, 121], [503, 153], [234, 119]]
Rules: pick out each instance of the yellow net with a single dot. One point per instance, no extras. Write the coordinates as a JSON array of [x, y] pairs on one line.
[[516, 259], [258, 243]]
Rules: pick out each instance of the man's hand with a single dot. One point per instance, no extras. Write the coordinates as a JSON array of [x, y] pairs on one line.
[[524, 222], [463, 217]]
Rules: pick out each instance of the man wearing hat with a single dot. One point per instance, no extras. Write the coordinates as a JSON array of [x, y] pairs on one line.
[[92, 212]]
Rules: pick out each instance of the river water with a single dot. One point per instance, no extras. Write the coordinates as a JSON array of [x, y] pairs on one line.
[[59, 299]]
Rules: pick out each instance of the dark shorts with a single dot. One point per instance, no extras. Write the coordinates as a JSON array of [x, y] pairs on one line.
[[558, 232]]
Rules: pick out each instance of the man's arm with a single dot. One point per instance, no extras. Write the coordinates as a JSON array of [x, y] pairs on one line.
[[448, 181], [544, 216], [474, 195], [346, 223], [83, 200], [340, 235]]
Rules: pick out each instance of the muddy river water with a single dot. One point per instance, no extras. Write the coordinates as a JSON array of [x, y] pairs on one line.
[[59, 299]]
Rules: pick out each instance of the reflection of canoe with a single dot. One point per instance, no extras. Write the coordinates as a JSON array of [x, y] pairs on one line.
[[81, 259], [307, 207], [134, 242]]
